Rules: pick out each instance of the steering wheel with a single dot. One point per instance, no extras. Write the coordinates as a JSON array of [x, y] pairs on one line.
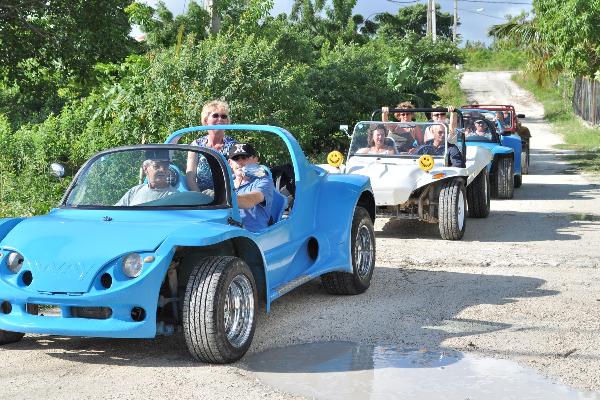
[[424, 149]]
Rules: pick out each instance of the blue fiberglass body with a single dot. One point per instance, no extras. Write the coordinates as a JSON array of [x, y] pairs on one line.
[[501, 144], [70, 253]]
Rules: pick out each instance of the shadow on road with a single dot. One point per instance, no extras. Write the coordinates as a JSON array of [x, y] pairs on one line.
[[408, 308], [501, 226]]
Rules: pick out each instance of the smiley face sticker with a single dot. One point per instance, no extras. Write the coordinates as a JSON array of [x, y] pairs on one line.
[[426, 162], [335, 158]]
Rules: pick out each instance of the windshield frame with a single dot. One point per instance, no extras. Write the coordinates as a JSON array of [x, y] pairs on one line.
[[225, 203], [399, 155]]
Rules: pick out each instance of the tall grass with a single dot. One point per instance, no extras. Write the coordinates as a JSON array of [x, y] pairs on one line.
[[484, 59]]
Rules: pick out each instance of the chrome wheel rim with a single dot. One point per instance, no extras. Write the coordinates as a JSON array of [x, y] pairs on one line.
[[363, 251], [239, 311], [461, 210]]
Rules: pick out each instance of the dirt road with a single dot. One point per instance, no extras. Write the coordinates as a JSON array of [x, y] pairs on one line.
[[523, 284]]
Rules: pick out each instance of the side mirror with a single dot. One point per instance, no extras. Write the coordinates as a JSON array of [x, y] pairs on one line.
[[57, 170], [344, 128], [520, 115]]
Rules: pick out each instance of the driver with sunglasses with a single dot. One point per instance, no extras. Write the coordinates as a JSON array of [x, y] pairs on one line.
[[198, 175]]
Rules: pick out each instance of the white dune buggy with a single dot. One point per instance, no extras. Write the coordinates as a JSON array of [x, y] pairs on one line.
[[412, 175]]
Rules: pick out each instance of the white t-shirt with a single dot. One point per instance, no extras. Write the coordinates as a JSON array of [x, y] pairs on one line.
[[142, 194]]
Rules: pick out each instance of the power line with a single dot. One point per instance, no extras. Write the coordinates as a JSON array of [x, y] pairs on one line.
[[494, 2], [485, 15], [403, 2]]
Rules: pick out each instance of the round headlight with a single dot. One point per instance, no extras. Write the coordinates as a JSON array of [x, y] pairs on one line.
[[14, 262], [132, 265]]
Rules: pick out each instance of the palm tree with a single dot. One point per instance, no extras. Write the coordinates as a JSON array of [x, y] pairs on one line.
[[524, 33]]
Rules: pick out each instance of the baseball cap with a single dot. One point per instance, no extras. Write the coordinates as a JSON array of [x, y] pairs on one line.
[[157, 154], [242, 149]]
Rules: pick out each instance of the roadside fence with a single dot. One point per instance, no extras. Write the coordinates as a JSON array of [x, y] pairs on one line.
[[586, 99]]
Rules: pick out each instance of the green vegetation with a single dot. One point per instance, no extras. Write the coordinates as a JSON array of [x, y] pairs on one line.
[[450, 92], [480, 58], [558, 111], [308, 73]]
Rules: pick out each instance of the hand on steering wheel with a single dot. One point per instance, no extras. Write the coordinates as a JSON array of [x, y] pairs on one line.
[[424, 149]]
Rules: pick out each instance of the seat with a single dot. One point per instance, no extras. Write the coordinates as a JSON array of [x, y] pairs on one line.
[[277, 207], [279, 203]]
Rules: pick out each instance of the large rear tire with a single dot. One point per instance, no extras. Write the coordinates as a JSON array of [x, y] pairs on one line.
[[218, 310], [505, 179], [518, 181], [478, 195], [452, 210], [362, 247], [525, 160], [7, 337]]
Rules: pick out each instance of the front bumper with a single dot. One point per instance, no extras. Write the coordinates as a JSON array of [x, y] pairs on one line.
[[124, 299]]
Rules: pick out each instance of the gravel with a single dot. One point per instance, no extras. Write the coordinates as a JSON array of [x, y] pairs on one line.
[[522, 285]]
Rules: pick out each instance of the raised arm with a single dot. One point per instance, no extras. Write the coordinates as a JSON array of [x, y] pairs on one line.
[[190, 171]]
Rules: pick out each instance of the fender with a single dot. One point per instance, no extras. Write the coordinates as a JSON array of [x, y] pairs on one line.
[[7, 224], [337, 203]]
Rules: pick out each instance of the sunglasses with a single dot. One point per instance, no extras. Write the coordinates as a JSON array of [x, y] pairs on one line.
[[240, 157], [439, 114], [217, 115], [404, 113]]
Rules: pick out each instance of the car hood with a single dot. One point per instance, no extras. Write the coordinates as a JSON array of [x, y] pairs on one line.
[[67, 252]]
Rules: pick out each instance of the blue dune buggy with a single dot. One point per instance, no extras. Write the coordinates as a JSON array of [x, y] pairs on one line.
[[181, 261], [483, 129]]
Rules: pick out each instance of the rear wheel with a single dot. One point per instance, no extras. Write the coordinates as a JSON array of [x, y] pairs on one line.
[[505, 179], [525, 160], [452, 210], [7, 337], [478, 195], [218, 311], [362, 246], [518, 181]]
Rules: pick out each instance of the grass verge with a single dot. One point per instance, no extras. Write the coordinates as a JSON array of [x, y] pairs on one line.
[[577, 136]]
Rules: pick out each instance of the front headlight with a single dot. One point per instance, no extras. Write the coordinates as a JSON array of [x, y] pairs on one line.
[[14, 262], [132, 265]]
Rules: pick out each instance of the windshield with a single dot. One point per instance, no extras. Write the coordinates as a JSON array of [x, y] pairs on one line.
[[147, 176], [506, 118], [481, 125], [399, 139]]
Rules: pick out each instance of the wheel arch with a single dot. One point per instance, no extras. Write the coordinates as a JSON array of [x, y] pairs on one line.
[[367, 201], [239, 246]]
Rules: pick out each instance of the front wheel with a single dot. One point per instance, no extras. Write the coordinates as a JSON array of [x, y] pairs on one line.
[[218, 310], [452, 210], [7, 337], [505, 180], [362, 247]]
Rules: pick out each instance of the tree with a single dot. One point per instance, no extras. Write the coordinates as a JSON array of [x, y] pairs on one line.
[[524, 33], [572, 29], [65, 35], [161, 29], [413, 19]]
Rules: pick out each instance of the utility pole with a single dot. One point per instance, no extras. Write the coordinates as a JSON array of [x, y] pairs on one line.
[[215, 20], [455, 24], [433, 21], [428, 32]]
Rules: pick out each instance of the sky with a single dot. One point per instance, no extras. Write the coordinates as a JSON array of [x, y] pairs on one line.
[[476, 16]]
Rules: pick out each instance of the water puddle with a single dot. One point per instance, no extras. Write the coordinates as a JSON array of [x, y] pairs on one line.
[[345, 370]]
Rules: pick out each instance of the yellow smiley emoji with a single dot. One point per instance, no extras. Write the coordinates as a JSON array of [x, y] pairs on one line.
[[426, 162], [335, 158]]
